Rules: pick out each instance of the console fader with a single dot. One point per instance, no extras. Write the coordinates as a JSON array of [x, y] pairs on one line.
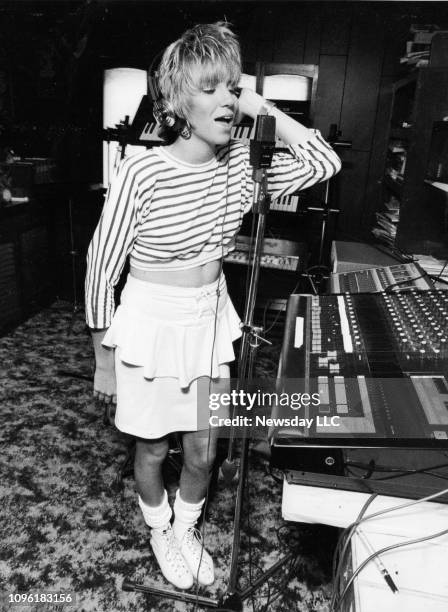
[[379, 363]]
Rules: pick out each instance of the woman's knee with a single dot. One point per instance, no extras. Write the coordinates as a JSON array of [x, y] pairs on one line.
[[151, 452], [200, 456]]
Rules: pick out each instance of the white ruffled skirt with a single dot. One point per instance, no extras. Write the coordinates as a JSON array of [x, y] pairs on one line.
[[166, 338]]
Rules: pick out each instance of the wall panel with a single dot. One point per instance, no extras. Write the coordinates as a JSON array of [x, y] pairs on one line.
[[335, 29], [330, 91], [362, 79], [351, 187]]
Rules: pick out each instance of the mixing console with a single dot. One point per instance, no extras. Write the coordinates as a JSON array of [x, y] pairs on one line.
[[371, 280], [379, 363]]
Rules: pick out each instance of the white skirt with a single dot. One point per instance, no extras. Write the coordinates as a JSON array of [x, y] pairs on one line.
[[166, 338]]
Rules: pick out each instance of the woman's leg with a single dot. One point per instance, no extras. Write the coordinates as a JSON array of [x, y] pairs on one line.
[[199, 455], [149, 458], [153, 502]]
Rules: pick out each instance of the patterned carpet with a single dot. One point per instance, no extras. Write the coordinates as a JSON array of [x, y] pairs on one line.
[[66, 528]]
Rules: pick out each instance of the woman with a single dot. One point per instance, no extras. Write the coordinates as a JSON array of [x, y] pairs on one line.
[[175, 210]]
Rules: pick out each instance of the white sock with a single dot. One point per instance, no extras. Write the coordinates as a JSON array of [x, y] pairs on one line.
[[156, 517], [185, 515]]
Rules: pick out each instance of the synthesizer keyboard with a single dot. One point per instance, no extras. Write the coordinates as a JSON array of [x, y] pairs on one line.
[[288, 203], [276, 253], [239, 132], [149, 133], [371, 280], [379, 364], [243, 132], [144, 129]]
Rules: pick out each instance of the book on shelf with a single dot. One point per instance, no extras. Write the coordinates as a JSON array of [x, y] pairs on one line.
[[393, 216], [419, 48], [394, 174], [423, 27], [386, 224], [392, 204], [383, 236], [418, 59], [397, 146], [397, 164]]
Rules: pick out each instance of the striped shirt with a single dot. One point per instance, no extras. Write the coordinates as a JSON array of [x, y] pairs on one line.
[[170, 215]]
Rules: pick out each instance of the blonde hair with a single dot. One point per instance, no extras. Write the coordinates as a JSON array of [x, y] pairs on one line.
[[213, 49]]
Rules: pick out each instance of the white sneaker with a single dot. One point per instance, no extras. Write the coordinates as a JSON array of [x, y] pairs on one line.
[[171, 562], [194, 554]]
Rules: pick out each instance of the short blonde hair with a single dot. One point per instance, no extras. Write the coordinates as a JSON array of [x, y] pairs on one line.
[[213, 48]]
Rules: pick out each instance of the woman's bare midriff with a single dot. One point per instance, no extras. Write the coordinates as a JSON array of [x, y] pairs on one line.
[[195, 277]]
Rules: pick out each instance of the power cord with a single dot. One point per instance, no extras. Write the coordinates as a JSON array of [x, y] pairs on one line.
[[380, 552], [342, 547], [388, 288], [398, 471], [350, 530]]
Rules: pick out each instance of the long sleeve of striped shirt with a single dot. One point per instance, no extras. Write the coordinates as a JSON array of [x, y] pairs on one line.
[[110, 245], [297, 168]]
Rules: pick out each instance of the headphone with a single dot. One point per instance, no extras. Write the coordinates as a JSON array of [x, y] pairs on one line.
[[162, 110], [163, 113], [170, 124]]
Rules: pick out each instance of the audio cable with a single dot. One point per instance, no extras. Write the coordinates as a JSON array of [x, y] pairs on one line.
[[351, 529]]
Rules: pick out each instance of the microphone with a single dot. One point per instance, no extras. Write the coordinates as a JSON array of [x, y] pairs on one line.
[[263, 145]]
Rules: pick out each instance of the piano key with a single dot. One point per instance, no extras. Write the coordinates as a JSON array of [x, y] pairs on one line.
[[149, 132], [285, 204]]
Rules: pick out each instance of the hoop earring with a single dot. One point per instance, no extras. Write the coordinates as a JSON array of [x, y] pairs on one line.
[[186, 131]]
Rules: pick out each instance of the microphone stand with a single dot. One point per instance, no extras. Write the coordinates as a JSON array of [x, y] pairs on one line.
[[262, 148], [250, 341]]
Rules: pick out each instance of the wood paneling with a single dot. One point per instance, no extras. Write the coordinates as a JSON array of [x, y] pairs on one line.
[[330, 90], [362, 79], [352, 185], [313, 38], [265, 32], [347, 42], [290, 37], [335, 29], [396, 33]]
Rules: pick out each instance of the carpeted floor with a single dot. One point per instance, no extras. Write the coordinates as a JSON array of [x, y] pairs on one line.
[[65, 528]]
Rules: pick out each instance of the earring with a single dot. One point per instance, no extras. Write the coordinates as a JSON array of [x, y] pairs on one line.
[[186, 131]]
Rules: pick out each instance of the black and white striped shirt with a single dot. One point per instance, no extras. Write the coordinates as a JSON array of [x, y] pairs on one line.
[[170, 215]]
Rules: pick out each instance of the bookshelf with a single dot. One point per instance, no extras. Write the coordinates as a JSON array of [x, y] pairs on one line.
[[412, 214]]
